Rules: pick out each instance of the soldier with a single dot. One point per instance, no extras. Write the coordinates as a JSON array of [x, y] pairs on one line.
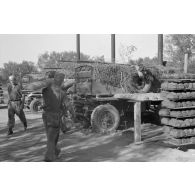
[[15, 104], [55, 104]]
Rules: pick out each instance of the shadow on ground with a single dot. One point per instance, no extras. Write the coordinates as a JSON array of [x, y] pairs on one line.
[[77, 146]]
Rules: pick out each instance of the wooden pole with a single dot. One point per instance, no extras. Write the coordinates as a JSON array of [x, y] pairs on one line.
[[160, 49], [137, 121], [186, 63], [113, 48], [78, 47]]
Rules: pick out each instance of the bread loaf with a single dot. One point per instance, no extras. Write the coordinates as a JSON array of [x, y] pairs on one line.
[[164, 86], [179, 104], [184, 96], [164, 94], [184, 113], [165, 121], [171, 96], [190, 85], [180, 86], [164, 112], [172, 86], [168, 104], [180, 96], [186, 85], [193, 94], [184, 104], [188, 95]]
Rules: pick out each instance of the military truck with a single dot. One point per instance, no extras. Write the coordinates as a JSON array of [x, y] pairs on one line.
[[105, 111], [33, 99], [1, 95]]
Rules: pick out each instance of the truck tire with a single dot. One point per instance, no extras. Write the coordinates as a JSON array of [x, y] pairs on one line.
[[105, 119], [35, 105]]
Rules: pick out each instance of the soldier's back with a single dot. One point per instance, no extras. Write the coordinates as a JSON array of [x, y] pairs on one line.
[[52, 98]]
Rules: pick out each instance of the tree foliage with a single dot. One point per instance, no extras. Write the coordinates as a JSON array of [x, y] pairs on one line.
[[126, 52], [18, 69], [176, 45], [54, 59]]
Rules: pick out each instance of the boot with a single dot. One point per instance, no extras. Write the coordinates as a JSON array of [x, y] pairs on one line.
[[25, 126], [10, 131], [57, 151]]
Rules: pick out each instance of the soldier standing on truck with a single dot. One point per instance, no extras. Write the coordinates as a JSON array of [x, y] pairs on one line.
[[55, 105], [15, 104]]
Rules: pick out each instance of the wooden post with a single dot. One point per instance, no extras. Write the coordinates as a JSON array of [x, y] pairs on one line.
[[78, 47], [137, 121], [160, 49], [113, 48], [186, 63]]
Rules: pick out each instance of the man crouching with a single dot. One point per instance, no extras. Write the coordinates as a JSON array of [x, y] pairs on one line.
[[54, 104]]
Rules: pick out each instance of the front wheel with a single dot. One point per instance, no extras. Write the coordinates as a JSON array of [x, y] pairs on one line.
[[35, 105], [105, 119]]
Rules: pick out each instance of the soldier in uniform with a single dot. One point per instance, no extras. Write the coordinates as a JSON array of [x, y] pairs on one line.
[[15, 104], [55, 104]]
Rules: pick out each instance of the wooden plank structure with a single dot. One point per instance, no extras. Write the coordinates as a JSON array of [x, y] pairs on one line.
[[186, 63], [138, 99], [137, 121]]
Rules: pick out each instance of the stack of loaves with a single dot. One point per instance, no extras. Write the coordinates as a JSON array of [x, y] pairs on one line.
[[178, 108]]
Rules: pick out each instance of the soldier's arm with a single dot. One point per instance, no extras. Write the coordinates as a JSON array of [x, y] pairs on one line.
[[67, 84], [39, 85]]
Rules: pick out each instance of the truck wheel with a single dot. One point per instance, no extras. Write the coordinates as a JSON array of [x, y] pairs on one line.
[[35, 105], [105, 119]]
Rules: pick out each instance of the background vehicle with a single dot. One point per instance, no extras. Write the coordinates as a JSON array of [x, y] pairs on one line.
[[1, 95], [104, 111], [33, 99]]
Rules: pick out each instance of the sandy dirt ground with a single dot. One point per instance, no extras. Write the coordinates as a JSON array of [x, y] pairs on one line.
[[81, 145]]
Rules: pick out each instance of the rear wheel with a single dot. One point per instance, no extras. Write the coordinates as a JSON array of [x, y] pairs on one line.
[[35, 105], [105, 119]]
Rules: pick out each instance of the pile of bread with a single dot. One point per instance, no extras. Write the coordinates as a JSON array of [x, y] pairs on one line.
[[178, 133], [176, 96], [178, 76], [178, 123], [184, 141], [172, 105], [177, 114], [178, 86]]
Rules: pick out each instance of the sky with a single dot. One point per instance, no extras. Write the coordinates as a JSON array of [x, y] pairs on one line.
[[19, 47]]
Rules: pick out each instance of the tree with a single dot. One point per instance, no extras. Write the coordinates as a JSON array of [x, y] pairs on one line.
[[54, 59], [176, 45], [19, 69], [126, 52]]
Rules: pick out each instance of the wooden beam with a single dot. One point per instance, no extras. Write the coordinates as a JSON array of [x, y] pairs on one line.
[[137, 121], [160, 49], [78, 47], [113, 48], [186, 63]]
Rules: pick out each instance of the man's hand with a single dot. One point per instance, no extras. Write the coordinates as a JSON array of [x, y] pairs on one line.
[[67, 84]]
